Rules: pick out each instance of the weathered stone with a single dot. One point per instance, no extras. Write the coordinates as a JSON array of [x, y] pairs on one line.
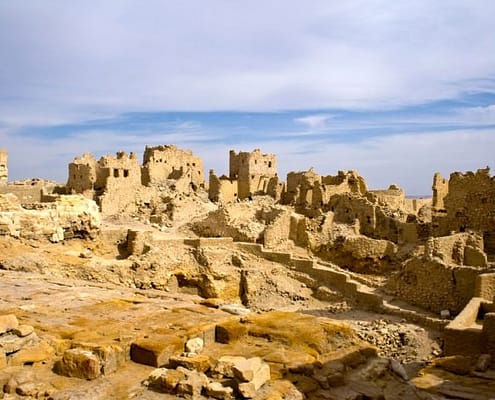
[[193, 384], [32, 354], [165, 380], [11, 343], [336, 379], [8, 322], [23, 330], [224, 366], [218, 391], [229, 331], [260, 377], [195, 362], [79, 363], [245, 370], [194, 345], [235, 309], [3, 359], [483, 362], [111, 357], [155, 352], [397, 368], [445, 314]]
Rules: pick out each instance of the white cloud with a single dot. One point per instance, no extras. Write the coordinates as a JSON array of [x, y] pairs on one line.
[[315, 121]]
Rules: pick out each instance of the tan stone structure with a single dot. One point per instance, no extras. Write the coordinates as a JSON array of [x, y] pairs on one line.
[[118, 183], [168, 162], [4, 170], [466, 202], [250, 174]]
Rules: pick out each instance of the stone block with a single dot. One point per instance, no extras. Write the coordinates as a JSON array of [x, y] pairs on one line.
[[155, 352], [245, 370], [165, 380], [111, 357], [193, 362], [10, 343], [79, 363], [230, 331], [193, 384], [23, 330], [249, 389], [8, 322], [218, 391], [225, 364]]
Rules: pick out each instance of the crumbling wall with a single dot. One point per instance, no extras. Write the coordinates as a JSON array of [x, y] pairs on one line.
[[222, 189], [161, 163], [83, 173], [393, 198], [469, 203], [69, 216], [4, 169], [460, 249], [253, 171], [440, 190], [435, 285], [32, 190], [309, 192]]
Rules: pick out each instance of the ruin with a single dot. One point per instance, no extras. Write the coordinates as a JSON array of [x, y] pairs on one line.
[[4, 169], [142, 280]]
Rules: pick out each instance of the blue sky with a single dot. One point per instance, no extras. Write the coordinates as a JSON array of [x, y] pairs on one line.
[[396, 90]]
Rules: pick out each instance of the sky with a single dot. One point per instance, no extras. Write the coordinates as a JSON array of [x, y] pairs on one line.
[[395, 90]]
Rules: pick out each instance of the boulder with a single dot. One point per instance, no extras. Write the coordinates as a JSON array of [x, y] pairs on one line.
[[79, 363]]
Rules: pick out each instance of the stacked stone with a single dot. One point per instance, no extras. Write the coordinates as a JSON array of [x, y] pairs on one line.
[[193, 374], [14, 337]]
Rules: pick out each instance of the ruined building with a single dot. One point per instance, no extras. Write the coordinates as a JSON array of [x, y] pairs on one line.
[[466, 202], [117, 183], [4, 170], [161, 163], [249, 174]]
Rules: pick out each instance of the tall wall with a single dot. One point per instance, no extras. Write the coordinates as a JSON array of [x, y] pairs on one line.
[[222, 189], [4, 170], [440, 189], [161, 163], [469, 204], [253, 171]]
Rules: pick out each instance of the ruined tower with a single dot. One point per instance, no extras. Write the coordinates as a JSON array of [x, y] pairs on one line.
[[4, 170], [253, 171]]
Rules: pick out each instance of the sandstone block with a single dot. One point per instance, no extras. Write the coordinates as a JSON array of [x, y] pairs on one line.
[[195, 362], [225, 364], [245, 370], [79, 363], [249, 389], [165, 380], [194, 345], [11, 343], [218, 391], [235, 309], [23, 330], [8, 322], [230, 331], [155, 352], [193, 384], [111, 357], [32, 354]]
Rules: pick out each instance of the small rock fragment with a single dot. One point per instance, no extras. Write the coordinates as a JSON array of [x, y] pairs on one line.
[[8, 322], [194, 345]]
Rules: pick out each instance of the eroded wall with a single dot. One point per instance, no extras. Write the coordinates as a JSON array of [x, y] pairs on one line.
[[4, 169]]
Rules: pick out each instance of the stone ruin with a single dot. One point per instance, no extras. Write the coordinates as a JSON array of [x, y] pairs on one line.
[[318, 244], [4, 170]]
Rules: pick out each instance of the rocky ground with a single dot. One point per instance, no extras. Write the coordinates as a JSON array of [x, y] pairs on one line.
[[91, 304]]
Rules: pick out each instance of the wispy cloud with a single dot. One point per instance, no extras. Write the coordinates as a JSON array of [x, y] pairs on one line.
[[315, 121]]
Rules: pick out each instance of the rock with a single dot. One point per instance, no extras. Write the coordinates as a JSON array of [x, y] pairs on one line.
[[397, 368], [32, 354], [253, 373], [249, 389], [3, 359], [246, 369], [79, 363], [445, 314], [193, 384], [11, 343], [23, 330], [229, 331], [367, 390], [483, 363], [194, 345], [218, 391], [235, 309], [86, 254], [165, 380], [225, 364], [196, 362], [8, 322], [155, 352], [336, 379], [460, 365]]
